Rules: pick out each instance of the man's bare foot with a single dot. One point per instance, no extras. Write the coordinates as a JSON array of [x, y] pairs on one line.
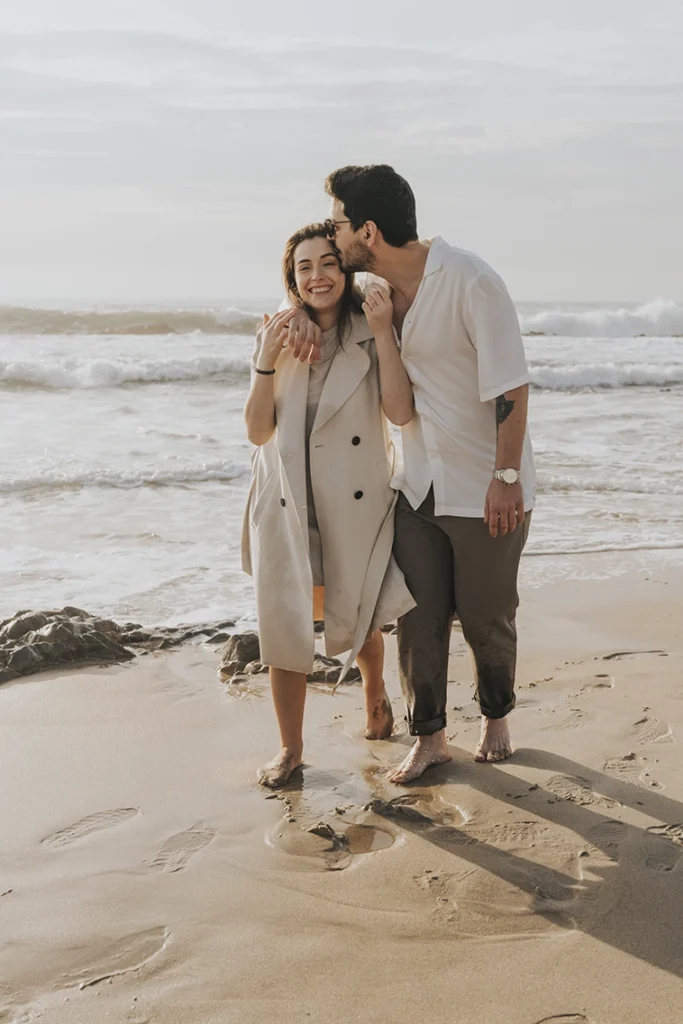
[[427, 751], [495, 743], [276, 772], [379, 722]]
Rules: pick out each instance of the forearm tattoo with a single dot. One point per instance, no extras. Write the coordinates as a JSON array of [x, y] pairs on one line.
[[503, 409]]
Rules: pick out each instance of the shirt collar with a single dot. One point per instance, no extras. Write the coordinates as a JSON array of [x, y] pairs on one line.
[[436, 254]]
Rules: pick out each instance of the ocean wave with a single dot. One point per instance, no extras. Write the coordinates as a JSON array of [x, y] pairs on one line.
[[222, 472], [68, 374], [549, 483], [22, 320], [657, 319], [598, 549], [605, 375], [661, 318], [104, 373]]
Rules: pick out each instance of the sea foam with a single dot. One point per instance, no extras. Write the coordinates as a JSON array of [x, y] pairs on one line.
[[661, 318]]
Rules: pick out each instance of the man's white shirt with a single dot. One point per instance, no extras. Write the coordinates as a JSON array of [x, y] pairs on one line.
[[462, 347]]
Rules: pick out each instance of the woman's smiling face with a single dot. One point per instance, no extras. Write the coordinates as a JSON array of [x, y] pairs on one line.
[[320, 280]]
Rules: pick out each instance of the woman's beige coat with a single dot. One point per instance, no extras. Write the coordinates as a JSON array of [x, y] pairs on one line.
[[351, 466]]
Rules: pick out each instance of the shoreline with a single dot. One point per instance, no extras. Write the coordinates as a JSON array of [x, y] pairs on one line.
[[145, 877], [537, 570]]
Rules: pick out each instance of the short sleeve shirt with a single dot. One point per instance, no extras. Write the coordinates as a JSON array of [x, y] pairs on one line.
[[462, 348]]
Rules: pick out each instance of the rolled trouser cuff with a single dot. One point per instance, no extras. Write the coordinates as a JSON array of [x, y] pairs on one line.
[[498, 712], [426, 728]]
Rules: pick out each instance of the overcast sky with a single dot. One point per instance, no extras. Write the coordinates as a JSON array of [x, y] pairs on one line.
[[162, 150]]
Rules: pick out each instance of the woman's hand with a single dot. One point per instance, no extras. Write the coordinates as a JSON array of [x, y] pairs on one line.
[[379, 310], [274, 334]]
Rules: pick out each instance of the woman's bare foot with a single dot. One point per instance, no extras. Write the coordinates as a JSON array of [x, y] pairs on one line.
[[379, 722], [428, 750], [495, 743], [276, 772]]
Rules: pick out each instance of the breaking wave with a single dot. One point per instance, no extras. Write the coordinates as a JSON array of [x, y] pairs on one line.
[[23, 320], [223, 472], [69, 373], [104, 373], [661, 318], [605, 375]]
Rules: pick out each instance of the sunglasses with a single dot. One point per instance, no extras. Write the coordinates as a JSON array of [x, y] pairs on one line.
[[331, 227]]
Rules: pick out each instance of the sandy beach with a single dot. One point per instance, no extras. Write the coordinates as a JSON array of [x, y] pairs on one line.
[[144, 877], [157, 156]]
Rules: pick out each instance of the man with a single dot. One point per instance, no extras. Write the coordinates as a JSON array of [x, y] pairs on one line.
[[468, 482]]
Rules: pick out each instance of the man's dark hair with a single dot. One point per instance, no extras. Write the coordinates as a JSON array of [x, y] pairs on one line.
[[377, 193]]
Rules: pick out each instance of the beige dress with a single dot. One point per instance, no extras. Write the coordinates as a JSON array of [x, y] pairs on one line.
[[352, 463], [316, 381]]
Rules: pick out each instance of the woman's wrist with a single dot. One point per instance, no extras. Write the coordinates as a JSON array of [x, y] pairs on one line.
[[265, 364], [385, 336]]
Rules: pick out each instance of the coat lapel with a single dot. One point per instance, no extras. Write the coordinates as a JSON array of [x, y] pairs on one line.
[[348, 369]]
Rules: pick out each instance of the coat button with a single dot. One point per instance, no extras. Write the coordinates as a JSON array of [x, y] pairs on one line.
[[283, 502], [355, 440], [358, 494]]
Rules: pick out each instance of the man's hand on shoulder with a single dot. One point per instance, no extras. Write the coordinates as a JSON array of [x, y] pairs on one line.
[[304, 337]]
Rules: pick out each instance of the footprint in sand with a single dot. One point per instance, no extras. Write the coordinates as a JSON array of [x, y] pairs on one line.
[[178, 849], [528, 702], [667, 850], [574, 720], [498, 897], [93, 823], [652, 730], [423, 809], [608, 837], [619, 655], [512, 833], [530, 899], [601, 681], [576, 790], [323, 847], [632, 769], [98, 961], [443, 821], [664, 857], [566, 1018], [674, 833], [127, 954]]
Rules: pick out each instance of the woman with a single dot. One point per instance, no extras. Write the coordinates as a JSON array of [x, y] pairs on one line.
[[319, 521]]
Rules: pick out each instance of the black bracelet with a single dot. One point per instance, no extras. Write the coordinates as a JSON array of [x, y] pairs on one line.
[[264, 373]]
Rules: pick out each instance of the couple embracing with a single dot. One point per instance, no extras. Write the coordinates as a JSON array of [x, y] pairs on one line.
[[432, 344]]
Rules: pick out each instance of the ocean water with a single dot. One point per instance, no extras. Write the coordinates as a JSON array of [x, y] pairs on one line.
[[124, 466]]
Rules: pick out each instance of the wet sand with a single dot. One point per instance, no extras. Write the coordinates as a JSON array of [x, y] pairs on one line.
[[145, 878]]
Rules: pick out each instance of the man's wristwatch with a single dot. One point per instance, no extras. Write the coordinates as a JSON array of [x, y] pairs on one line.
[[507, 476]]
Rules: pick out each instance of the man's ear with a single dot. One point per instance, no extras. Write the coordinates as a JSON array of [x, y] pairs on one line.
[[371, 233]]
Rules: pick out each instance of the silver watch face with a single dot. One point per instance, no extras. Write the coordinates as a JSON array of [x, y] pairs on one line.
[[510, 476]]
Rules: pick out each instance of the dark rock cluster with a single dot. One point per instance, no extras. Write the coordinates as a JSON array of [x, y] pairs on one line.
[[37, 641], [241, 657]]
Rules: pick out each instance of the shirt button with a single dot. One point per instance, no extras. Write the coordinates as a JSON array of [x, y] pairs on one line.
[[355, 440], [358, 494], [283, 502]]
